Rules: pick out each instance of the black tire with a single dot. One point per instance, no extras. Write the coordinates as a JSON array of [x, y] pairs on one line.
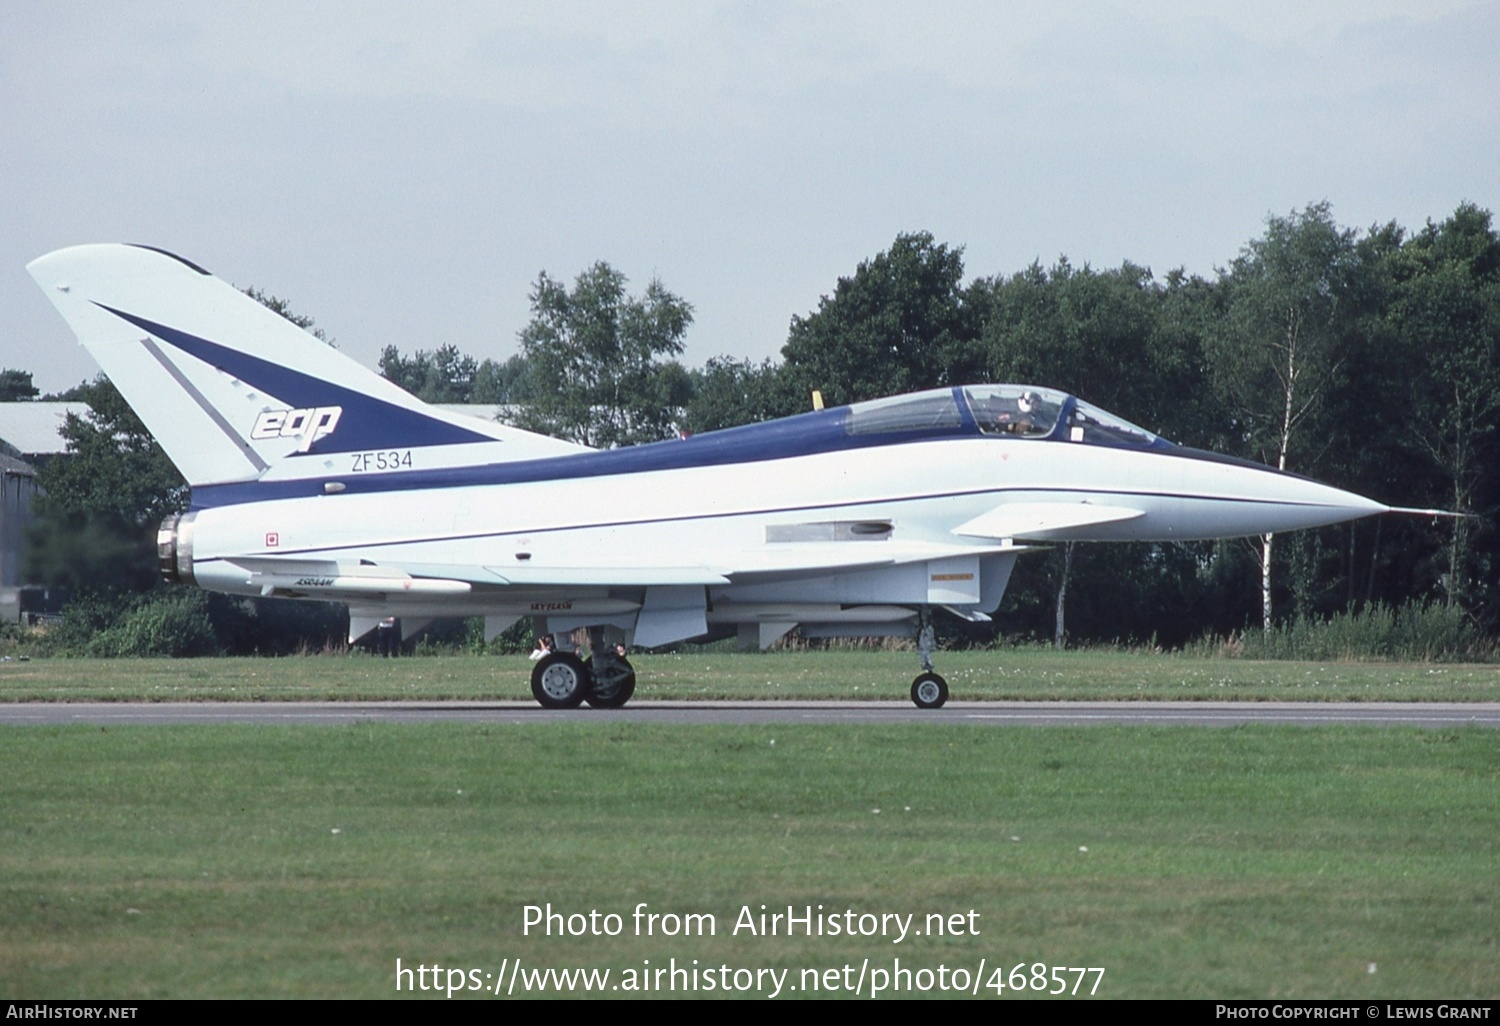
[[611, 694], [560, 681], [929, 691]]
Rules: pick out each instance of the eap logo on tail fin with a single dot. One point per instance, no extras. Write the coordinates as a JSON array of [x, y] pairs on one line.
[[306, 425]]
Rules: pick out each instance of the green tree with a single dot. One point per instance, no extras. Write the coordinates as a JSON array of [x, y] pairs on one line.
[[1182, 404], [1293, 309], [1097, 334], [443, 375], [16, 386], [1445, 315], [599, 360], [729, 392], [77, 394], [507, 382], [899, 324], [102, 500]]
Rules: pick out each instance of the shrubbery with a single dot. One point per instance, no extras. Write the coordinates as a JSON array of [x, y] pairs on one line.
[[465, 636], [186, 622], [164, 623], [1417, 631], [171, 624]]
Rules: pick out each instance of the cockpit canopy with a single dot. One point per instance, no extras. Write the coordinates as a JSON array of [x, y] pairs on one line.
[[1017, 411]]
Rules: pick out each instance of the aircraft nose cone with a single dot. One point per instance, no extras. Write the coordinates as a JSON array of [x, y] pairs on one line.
[[1251, 499], [1314, 504], [1359, 506]]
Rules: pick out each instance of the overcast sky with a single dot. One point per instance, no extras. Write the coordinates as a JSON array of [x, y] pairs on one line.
[[402, 172]]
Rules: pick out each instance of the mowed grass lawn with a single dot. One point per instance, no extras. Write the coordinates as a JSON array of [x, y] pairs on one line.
[[1216, 863], [1007, 673]]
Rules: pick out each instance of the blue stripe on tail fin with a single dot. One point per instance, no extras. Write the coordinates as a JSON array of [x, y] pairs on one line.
[[364, 423]]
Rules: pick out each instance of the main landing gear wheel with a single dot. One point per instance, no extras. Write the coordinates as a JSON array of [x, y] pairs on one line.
[[614, 683], [560, 681], [929, 691]]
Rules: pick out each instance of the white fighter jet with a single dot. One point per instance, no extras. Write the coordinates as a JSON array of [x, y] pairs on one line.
[[315, 478]]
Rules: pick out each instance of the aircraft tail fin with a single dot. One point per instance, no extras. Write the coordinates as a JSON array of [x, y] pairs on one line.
[[230, 388]]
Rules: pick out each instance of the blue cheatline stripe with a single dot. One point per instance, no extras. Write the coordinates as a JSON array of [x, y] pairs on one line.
[[365, 424], [806, 434]]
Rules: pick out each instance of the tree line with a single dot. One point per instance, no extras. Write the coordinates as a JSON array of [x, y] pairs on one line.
[[1364, 358]]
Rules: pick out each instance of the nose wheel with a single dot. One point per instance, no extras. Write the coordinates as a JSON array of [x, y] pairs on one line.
[[929, 691]]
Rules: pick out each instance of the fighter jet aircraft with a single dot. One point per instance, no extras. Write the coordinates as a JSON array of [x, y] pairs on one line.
[[315, 478]]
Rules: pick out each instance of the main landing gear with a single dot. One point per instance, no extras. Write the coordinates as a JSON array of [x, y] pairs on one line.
[[605, 680], [560, 681], [929, 690], [613, 680]]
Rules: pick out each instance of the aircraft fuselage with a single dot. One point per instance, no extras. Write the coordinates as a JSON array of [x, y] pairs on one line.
[[739, 513]]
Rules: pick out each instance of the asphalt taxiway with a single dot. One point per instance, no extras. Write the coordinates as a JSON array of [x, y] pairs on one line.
[[982, 714]]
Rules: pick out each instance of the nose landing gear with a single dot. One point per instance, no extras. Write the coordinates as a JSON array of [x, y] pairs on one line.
[[929, 690]]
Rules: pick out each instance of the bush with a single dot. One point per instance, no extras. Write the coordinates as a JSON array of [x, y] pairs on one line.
[[171, 623], [83, 619], [459, 636], [1416, 632], [270, 626], [185, 622]]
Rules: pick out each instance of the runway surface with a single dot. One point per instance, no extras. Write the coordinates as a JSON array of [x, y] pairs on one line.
[[983, 714]]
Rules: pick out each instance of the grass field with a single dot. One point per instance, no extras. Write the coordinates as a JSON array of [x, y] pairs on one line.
[[1010, 673], [1222, 863], [243, 861]]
